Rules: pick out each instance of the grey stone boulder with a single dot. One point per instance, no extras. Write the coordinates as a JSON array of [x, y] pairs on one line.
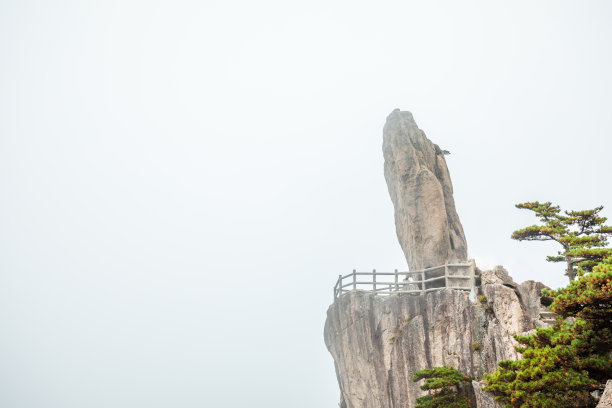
[[426, 221], [497, 276]]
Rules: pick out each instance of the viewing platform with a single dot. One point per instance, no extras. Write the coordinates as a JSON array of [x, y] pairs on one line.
[[458, 276]]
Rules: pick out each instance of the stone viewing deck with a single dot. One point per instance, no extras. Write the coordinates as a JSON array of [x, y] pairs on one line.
[[459, 276]]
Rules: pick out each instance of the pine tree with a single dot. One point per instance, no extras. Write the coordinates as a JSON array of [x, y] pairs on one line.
[[589, 300], [582, 234], [449, 386], [563, 364], [546, 376]]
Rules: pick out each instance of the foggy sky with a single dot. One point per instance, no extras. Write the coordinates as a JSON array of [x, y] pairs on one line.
[[182, 182]]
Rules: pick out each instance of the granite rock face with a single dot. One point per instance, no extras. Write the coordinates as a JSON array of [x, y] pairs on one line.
[[426, 221], [484, 399], [606, 398], [379, 342]]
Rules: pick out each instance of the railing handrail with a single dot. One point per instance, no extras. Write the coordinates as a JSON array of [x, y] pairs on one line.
[[418, 286]]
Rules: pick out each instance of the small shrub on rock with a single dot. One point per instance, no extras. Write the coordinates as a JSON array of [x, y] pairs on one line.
[[448, 388]]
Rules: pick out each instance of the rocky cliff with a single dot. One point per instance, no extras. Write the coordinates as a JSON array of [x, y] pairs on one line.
[[426, 222], [379, 342], [606, 398]]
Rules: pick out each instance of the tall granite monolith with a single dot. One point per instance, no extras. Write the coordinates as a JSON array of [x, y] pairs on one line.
[[427, 224]]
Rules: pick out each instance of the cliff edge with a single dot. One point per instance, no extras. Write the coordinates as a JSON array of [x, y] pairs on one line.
[[379, 342]]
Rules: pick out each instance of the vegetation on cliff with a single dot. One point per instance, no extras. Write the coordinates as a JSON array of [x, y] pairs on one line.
[[563, 364], [447, 385], [582, 234]]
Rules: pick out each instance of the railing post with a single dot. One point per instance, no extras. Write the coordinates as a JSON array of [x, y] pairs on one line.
[[445, 275], [354, 279], [396, 285], [374, 279], [473, 273], [336, 290], [422, 282]]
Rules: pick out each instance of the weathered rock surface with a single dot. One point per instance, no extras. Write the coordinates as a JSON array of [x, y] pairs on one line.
[[606, 398], [530, 294], [484, 399], [427, 224], [378, 342], [498, 275]]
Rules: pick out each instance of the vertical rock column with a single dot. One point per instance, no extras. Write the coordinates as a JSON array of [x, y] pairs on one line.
[[427, 224]]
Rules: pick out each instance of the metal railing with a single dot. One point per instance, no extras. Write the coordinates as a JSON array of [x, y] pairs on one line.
[[460, 276]]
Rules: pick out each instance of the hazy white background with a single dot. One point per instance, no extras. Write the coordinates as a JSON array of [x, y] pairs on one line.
[[182, 182]]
